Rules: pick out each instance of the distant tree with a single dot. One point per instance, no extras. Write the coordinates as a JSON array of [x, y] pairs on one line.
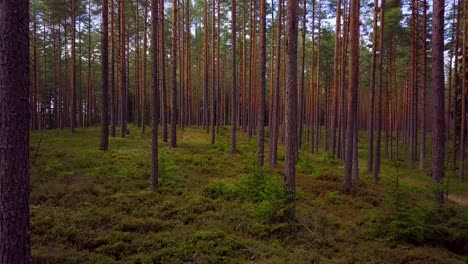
[[15, 242]]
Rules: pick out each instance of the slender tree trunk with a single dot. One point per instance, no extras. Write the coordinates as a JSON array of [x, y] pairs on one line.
[[262, 103], [301, 98], [352, 91], [144, 62], [318, 87], [123, 72], [162, 74], [251, 71], [105, 76], [276, 92], [154, 93], [234, 99], [206, 67], [15, 241], [89, 82], [455, 89], [336, 79], [291, 109], [213, 72], [438, 127], [370, 158], [112, 70], [174, 75], [463, 94], [379, 95], [422, 152], [73, 65]]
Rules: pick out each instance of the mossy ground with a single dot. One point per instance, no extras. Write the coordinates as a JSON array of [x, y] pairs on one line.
[[89, 206]]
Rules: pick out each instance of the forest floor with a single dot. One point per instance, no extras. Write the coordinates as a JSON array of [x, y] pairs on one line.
[[93, 207]]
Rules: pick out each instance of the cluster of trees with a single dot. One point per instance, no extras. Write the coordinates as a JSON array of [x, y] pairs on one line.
[[313, 83]]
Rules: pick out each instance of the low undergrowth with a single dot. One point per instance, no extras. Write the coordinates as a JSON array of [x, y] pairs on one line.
[[213, 207]]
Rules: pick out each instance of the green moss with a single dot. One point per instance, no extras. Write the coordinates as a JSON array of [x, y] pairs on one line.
[[89, 206]]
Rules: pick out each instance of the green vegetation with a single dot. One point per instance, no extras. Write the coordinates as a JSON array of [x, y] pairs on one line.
[[93, 207]]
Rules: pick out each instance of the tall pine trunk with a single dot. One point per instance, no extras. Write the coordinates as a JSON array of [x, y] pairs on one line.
[[105, 76], [15, 241], [291, 109], [438, 125]]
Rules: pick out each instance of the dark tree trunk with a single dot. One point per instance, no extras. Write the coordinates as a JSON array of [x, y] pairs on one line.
[[438, 100], [112, 70], [422, 152], [162, 72], [174, 76], [291, 109], [213, 70], [301, 99], [123, 72], [463, 95], [144, 64], [456, 78], [336, 79], [262, 103], [73, 66], [154, 95], [234, 99], [352, 91], [15, 243], [105, 76], [370, 159], [275, 119], [379, 96]]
